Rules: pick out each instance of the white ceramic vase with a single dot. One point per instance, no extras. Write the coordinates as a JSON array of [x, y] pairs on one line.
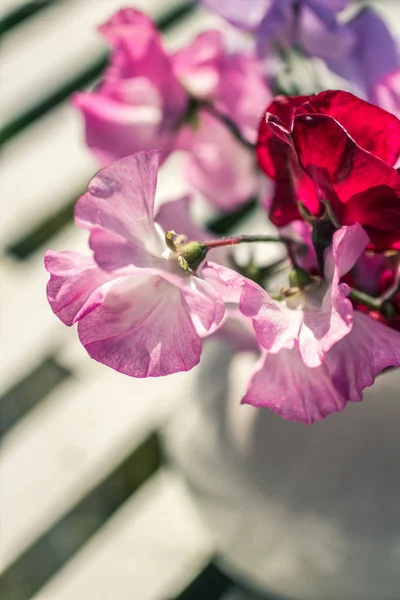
[[306, 512]]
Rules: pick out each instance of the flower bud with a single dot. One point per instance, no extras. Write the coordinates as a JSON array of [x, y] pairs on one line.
[[191, 255]]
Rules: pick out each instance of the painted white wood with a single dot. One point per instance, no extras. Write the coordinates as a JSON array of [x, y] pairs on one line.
[[150, 549], [44, 52], [74, 438]]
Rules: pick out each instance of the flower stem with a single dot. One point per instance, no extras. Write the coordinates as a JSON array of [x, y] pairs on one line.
[[229, 123], [248, 239], [366, 299]]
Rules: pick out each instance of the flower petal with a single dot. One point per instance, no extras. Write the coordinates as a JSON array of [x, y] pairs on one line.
[[113, 252], [323, 326], [361, 187], [218, 166], [371, 127], [348, 243], [283, 383], [73, 280], [354, 362], [120, 199], [142, 328], [276, 326]]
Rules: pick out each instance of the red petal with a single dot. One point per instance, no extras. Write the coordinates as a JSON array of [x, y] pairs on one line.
[[371, 127], [361, 187]]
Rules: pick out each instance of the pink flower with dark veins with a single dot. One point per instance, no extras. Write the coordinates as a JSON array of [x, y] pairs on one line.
[[138, 311], [318, 352]]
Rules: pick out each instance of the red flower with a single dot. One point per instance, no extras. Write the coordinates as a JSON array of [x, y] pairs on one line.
[[333, 147]]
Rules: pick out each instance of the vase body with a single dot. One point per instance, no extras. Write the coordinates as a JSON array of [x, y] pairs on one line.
[[303, 512]]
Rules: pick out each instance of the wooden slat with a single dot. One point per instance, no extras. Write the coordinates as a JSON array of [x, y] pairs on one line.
[[149, 550], [61, 40], [15, 12], [66, 536], [73, 439]]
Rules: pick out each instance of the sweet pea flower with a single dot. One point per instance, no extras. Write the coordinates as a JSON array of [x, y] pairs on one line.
[[334, 148], [312, 24], [137, 310], [318, 353], [147, 96], [372, 65], [139, 100]]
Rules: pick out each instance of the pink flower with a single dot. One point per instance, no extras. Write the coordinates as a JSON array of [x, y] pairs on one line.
[[137, 310], [318, 353], [140, 99], [233, 82], [147, 96]]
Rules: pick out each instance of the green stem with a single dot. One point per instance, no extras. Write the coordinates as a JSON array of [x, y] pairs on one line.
[[229, 123], [366, 299]]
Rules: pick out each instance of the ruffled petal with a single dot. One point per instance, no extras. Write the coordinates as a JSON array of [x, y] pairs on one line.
[[73, 280], [325, 325], [283, 383], [139, 101], [206, 305], [198, 65], [120, 199], [371, 127], [354, 362], [142, 328], [276, 326], [361, 187], [116, 127]]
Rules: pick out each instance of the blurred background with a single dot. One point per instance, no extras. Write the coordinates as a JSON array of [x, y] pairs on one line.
[[89, 509]]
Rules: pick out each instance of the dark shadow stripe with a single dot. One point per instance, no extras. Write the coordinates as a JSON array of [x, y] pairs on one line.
[[80, 80], [213, 584], [210, 584], [28, 392], [226, 222], [51, 551], [22, 13], [29, 242]]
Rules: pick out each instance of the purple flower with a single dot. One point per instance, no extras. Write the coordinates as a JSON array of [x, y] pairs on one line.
[[373, 63], [137, 310], [310, 23]]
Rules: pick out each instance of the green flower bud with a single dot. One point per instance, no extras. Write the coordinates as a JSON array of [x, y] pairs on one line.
[[191, 255]]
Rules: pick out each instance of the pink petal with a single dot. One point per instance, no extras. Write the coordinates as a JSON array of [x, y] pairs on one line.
[[113, 252], [276, 326], [356, 360], [206, 305], [324, 326], [73, 280], [142, 328], [119, 127], [218, 166], [348, 244], [120, 199], [283, 383], [140, 100], [198, 65]]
